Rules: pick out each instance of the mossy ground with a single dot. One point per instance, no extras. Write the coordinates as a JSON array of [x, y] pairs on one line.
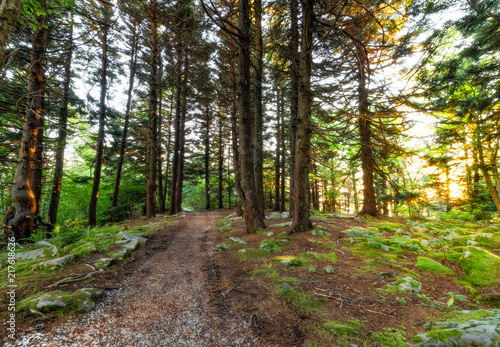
[[367, 254]]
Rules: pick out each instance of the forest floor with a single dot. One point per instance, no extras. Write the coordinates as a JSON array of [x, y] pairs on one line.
[[204, 282]]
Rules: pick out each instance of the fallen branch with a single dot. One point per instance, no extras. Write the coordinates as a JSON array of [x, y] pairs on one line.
[[73, 279], [490, 295], [384, 314], [216, 290]]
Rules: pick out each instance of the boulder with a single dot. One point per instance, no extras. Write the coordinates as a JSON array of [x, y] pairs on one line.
[[329, 269], [47, 249], [81, 300], [471, 328], [131, 237], [103, 263], [274, 215], [58, 262]]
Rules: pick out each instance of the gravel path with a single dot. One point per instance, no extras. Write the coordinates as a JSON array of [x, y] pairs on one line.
[[166, 302]]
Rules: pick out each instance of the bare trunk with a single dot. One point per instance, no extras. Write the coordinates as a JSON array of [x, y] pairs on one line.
[[26, 187], [301, 218], [257, 95], [152, 138], [283, 154], [364, 123], [207, 158], [254, 213], [62, 135], [9, 14], [277, 164], [182, 147], [161, 199], [234, 143], [294, 102], [123, 145], [221, 166], [102, 119]]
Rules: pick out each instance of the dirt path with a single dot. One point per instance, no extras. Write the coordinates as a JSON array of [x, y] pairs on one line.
[[168, 300]]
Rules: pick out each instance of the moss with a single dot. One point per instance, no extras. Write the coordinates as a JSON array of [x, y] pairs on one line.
[[252, 253], [332, 257], [81, 249], [429, 265], [292, 261], [303, 302], [334, 328], [386, 226], [390, 338], [461, 317], [482, 267], [372, 253], [443, 335]]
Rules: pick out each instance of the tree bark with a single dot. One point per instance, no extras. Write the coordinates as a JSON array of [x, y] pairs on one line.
[[123, 145], [364, 124], [254, 212], [234, 142], [257, 104], [294, 97], [102, 117], [161, 197], [221, 166], [182, 145], [283, 154], [152, 138], [62, 135], [301, 218], [207, 158], [277, 164], [26, 187], [177, 129], [9, 14]]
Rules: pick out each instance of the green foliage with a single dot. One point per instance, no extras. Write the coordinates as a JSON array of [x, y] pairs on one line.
[[390, 338], [302, 301], [482, 268], [429, 265]]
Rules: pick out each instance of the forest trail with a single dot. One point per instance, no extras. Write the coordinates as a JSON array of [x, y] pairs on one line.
[[167, 301]]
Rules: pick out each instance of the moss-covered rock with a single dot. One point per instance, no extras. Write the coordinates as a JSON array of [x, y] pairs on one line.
[[82, 300], [430, 265], [468, 328], [482, 268]]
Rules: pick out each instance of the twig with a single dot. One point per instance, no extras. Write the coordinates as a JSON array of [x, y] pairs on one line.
[[90, 266], [72, 279], [384, 314], [216, 290], [37, 312]]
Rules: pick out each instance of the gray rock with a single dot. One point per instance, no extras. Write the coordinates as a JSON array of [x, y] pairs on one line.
[[274, 215], [44, 243], [419, 229], [86, 306], [49, 305], [58, 262], [409, 285], [385, 248], [104, 263], [285, 214], [286, 288], [127, 249], [237, 240], [316, 232], [474, 332], [31, 255], [329, 269], [286, 224], [221, 247], [132, 237]]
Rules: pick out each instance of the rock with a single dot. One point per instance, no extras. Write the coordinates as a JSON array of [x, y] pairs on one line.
[[237, 240], [45, 251], [269, 233], [132, 237], [316, 232], [103, 263], [86, 306], [286, 288], [230, 216], [44, 243], [419, 229], [409, 285], [400, 231], [47, 303], [58, 262], [473, 328], [285, 214], [286, 224], [329, 269], [221, 247], [274, 215], [82, 300], [425, 243], [471, 243], [243, 250], [385, 248]]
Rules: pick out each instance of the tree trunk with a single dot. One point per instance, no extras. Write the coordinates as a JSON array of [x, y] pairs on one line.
[[254, 213], [283, 154], [62, 135], [26, 187], [177, 129], [364, 123], [257, 98], [301, 218], [182, 146], [169, 149], [221, 166], [9, 14], [207, 158], [161, 201], [234, 142], [123, 145], [294, 92], [152, 146], [277, 166]]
